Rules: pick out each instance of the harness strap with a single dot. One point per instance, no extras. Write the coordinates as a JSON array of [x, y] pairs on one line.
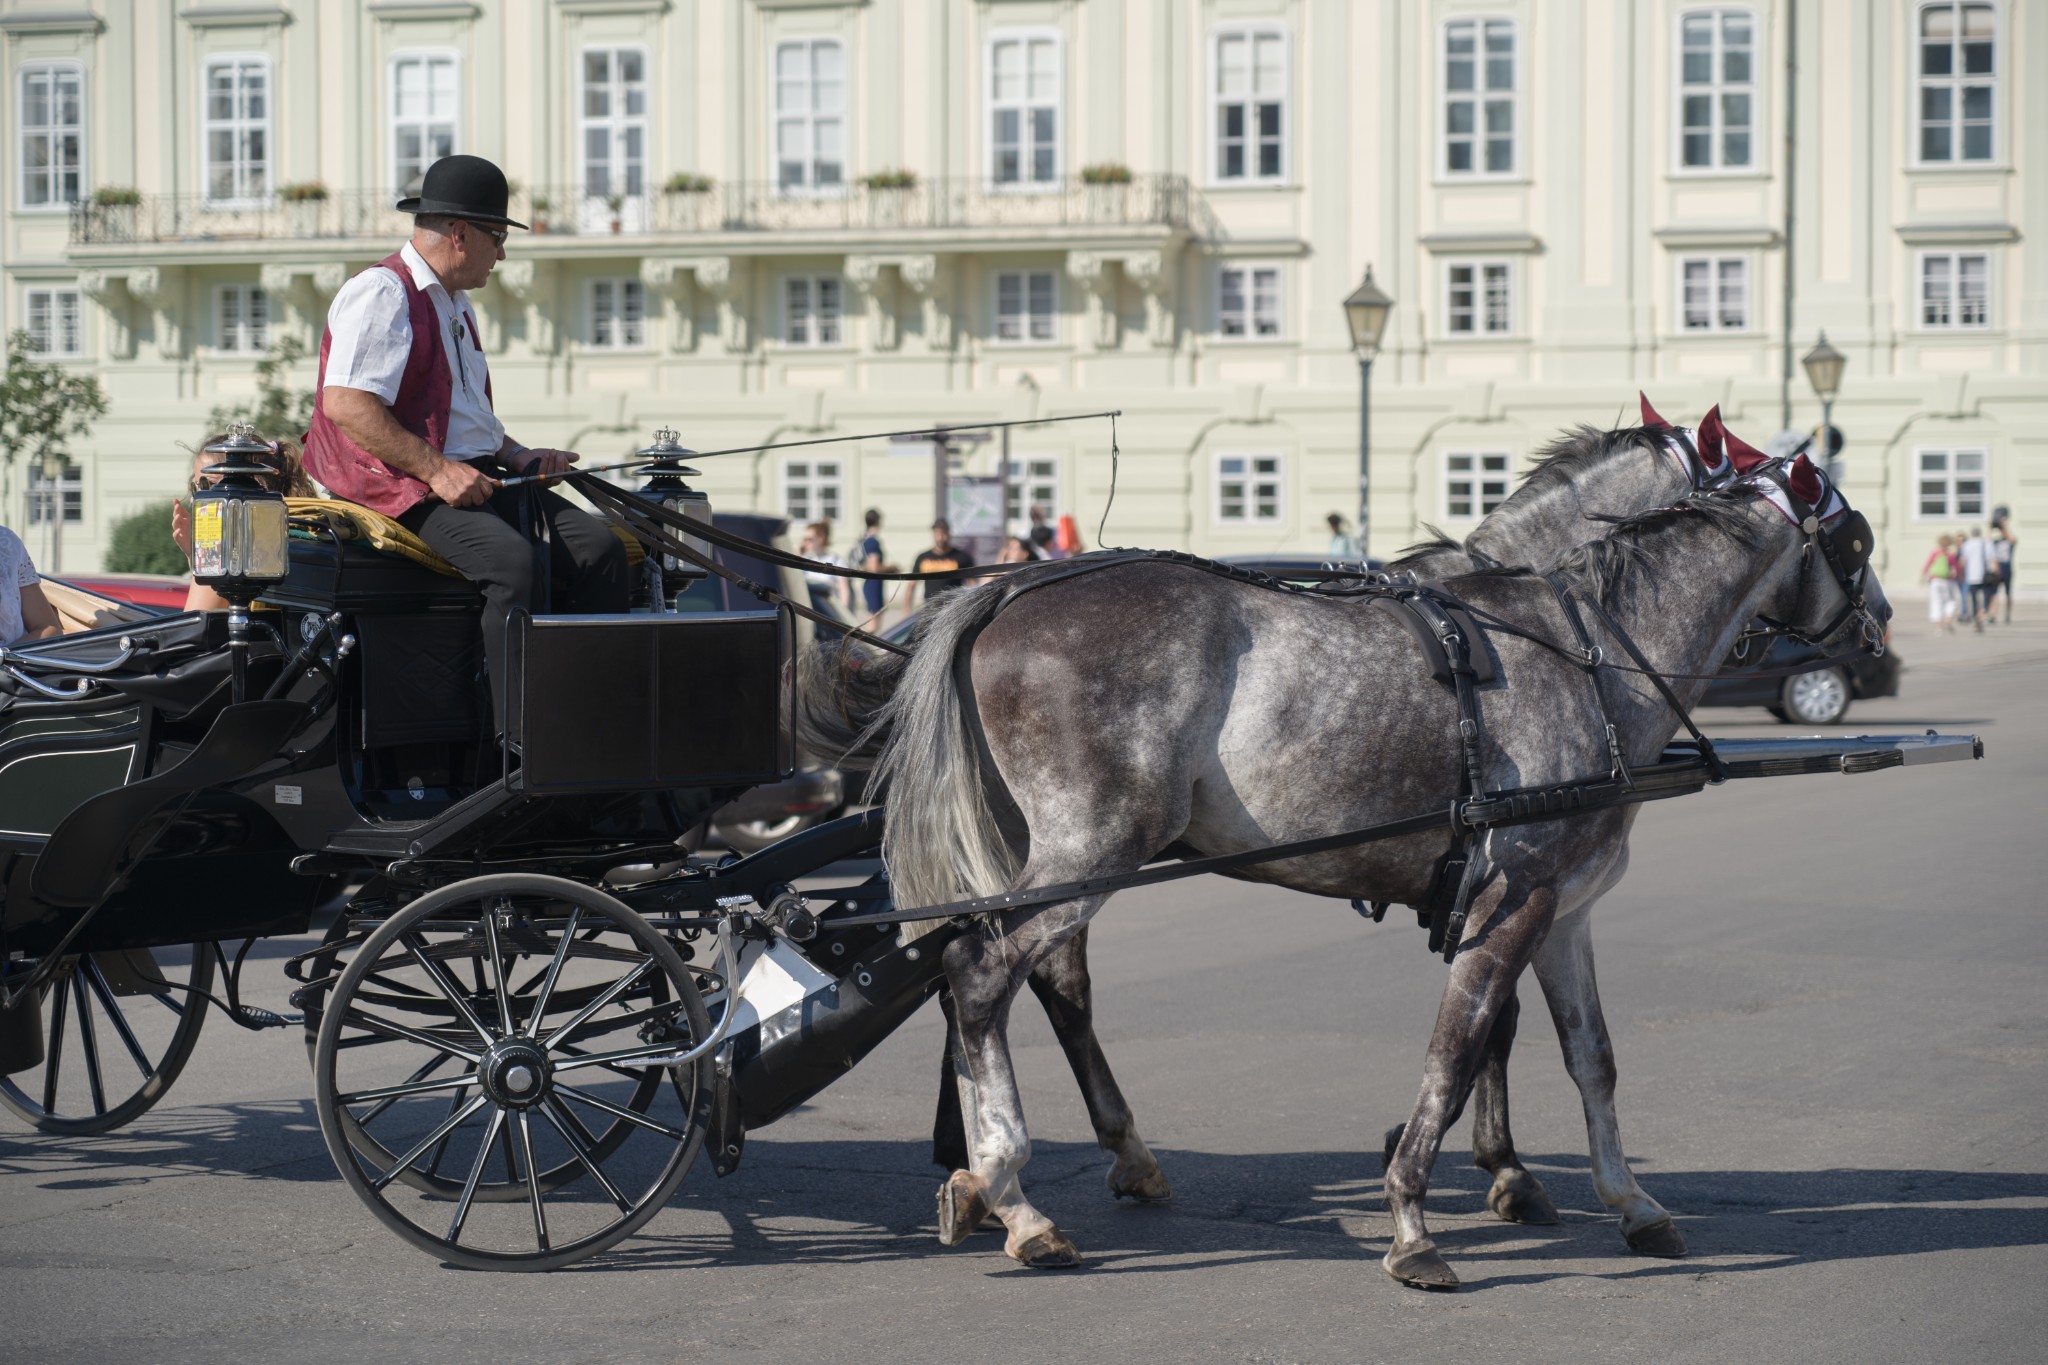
[[1657, 680]]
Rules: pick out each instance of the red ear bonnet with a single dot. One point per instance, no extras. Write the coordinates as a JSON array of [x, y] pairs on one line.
[[1650, 417], [1804, 481], [1718, 443]]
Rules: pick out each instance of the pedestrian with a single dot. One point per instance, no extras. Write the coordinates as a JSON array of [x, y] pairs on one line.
[[25, 614], [1018, 550], [1975, 553], [827, 590], [1041, 532], [2003, 544], [943, 557], [1938, 573], [868, 555], [1343, 546]]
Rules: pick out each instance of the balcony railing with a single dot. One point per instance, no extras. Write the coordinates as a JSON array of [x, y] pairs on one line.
[[1143, 201]]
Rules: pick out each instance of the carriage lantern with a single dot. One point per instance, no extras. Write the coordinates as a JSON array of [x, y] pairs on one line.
[[241, 533], [665, 485]]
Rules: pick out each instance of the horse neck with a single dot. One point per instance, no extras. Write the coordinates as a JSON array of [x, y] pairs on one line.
[[1540, 522]]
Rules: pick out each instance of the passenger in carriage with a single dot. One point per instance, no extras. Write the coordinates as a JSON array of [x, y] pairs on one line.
[[286, 477], [404, 422], [25, 614]]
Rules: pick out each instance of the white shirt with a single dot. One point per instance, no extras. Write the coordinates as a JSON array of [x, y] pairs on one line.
[[1976, 555], [370, 339], [17, 571]]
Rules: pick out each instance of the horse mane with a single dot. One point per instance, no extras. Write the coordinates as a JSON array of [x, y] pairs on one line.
[[1599, 568]]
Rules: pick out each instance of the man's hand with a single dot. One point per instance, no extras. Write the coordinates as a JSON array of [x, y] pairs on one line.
[[181, 528], [542, 461], [460, 485]]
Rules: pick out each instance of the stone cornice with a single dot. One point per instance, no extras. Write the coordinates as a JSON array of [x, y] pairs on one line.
[[53, 21]]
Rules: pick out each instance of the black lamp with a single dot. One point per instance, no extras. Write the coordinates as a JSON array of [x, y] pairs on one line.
[[241, 533], [667, 574]]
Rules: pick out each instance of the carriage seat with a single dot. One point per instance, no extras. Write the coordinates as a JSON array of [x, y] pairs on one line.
[[353, 521]]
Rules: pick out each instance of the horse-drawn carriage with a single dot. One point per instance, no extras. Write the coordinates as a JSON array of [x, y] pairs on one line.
[[532, 1007]]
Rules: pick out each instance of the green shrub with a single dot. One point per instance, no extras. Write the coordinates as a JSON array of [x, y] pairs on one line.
[[141, 543]]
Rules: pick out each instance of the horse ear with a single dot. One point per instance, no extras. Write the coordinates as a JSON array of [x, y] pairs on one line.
[[1650, 415], [1804, 481], [1742, 454], [1713, 437]]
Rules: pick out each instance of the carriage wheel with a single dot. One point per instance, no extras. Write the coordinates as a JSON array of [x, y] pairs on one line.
[[117, 1030], [551, 996]]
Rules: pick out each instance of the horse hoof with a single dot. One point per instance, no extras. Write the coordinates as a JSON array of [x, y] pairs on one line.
[[1417, 1264], [1393, 1141], [1518, 1197], [963, 1203], [1048, 1250], [1150, 1188], [1657, 1239]]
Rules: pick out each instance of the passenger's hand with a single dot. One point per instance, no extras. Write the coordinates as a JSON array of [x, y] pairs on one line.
[[461, 485], [181, 527], [540, 461]]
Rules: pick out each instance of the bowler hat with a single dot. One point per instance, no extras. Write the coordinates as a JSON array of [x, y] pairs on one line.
[[467, 187]]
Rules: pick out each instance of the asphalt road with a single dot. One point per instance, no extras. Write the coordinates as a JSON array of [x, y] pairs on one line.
[[1828, 1004]]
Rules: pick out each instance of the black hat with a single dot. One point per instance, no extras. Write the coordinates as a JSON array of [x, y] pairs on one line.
[[466, 187]]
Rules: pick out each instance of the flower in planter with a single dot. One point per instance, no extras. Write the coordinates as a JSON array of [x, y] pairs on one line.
[[615, 202], [1106, 173], [113, 196], [890, 180], [304, 192], [683, 182]]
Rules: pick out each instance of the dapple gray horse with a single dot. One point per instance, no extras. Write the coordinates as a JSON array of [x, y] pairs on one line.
[[1152, 704], [1582, 477]]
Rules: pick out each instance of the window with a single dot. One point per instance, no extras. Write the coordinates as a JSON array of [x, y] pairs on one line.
[[1955, 289], [1716, 89], [1479, 97], [236, 132], [1248, 301], [1958, 81], [1247, 488], [1024, 108], [44, 496], [811, 310], [1476, 298], [614, 122], [241, 319], [426, 95], [1024, 305], [52, 124], [810, 116], [55, 323], [1251, 103], [811, 490], [1952, 483], [1714, 293], [1032, 483], [1474, 484], [618, 314]]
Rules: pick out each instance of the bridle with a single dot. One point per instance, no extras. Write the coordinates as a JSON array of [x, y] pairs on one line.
[[1843, 539]]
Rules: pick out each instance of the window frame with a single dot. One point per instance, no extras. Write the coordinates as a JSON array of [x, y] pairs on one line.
[[427, 55], [1018, 478], [1519, 70], [1477, 476], [813, 312], [70, 484], [616, 123], [814, 482], [1917, 83], [1024, 338], [29, 290], [1951, 511], [1251, 31], [1480, 264], [249, 290], [1716, 88], [810, 188], [1955, 256], [1251, 269], [1715, 327], [1251, 477], [51, 67], [207, 124], [1025, 34], [621, 286]]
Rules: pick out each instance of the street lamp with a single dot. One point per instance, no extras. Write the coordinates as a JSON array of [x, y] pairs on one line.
[[1365, 313], [1824, 371]]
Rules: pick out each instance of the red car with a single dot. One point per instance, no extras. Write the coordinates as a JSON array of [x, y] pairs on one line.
[[140, 589]]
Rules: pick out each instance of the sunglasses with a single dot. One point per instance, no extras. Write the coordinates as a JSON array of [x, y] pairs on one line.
[[497, 238]]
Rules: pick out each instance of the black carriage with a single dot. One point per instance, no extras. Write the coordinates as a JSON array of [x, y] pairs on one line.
[[533, 1006]]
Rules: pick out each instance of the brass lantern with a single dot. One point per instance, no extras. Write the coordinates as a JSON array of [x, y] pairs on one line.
[[241, 534], [666, 472]]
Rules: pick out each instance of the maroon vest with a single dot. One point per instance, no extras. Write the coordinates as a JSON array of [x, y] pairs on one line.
[[424, 393]]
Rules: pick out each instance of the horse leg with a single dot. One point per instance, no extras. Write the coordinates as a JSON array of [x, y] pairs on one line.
[[1517, 1195], [1498, 940], [1060, 981], [1564, 965]]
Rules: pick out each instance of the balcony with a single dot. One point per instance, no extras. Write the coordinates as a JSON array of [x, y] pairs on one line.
[[576, 221]]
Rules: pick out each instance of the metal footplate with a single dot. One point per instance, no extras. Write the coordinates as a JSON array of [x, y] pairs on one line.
[[1834, 754]]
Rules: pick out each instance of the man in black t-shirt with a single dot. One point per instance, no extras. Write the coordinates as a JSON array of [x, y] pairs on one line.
[[943, 556]]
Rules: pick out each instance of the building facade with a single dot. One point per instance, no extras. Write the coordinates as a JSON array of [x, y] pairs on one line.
[[761, 220]]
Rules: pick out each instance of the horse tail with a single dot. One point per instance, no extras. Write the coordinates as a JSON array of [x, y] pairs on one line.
[[841, 690], [941, 841]]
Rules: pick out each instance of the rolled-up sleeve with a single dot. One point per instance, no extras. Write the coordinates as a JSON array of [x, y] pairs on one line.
[[369, 335]]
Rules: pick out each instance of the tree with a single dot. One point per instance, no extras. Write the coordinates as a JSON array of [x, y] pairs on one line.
[[43, 408], [141, 542], [279, 411]]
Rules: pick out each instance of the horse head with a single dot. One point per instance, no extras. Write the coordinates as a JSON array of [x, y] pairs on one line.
[[1835, 591]]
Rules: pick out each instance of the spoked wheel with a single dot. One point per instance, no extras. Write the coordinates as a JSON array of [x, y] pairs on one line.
[[501, 1043], [117, 1029]]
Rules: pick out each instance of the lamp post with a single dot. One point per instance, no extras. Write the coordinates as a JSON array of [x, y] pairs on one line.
[[1824, 371], [1365, 313]]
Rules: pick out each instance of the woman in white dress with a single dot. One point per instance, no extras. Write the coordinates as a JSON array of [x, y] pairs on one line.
[[25, 614]]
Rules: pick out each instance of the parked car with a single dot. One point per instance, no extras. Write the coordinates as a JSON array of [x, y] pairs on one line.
[[140, 589], [1819, 697]]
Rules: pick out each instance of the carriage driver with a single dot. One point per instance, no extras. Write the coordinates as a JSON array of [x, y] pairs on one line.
[[403, 423]]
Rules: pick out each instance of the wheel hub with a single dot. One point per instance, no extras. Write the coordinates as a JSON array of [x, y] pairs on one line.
[[516, 1073]]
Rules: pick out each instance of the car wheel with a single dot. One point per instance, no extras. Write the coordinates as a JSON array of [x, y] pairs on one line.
[[751, 836], [1818, 698]]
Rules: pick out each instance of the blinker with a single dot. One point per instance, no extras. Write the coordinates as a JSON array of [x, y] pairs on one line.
[[1851, 543]]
